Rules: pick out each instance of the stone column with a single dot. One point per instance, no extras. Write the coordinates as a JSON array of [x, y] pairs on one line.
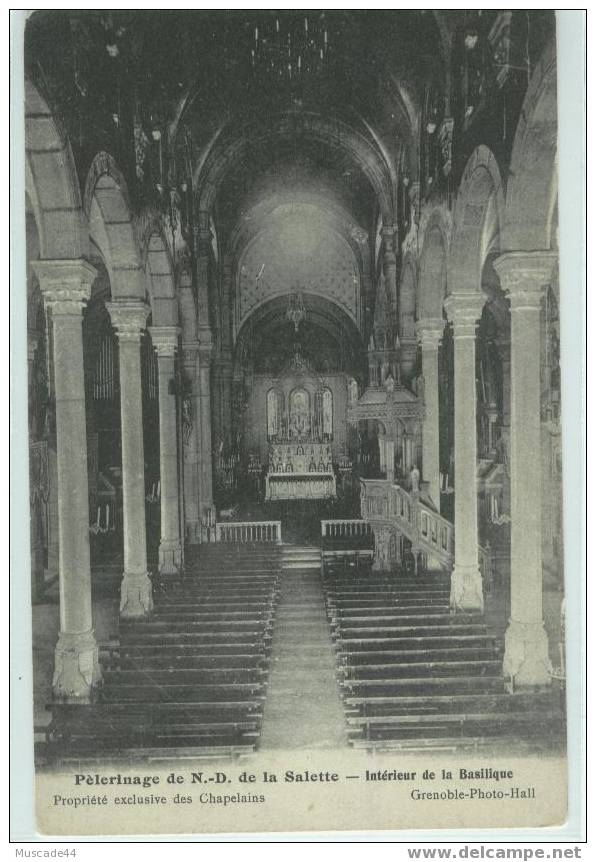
[[390, 459], [165, 342], [203, 248], [226, 363], [382, 463], [430, 332], [389, 234], [191, 442], [66, 287], [206, 466], [128, 318], [464, 310], [504, 349], [523, 277]]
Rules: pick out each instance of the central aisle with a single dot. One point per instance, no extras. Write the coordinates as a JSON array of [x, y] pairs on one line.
[[303, 707]]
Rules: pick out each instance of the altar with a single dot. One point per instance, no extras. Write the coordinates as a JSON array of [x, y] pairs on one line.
[[300, 486], [300, 471]]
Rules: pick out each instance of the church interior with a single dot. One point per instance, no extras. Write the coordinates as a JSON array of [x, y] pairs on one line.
[[294, 390]]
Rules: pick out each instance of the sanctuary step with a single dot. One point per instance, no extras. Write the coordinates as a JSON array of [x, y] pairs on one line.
[[414, 675], [306, 557], [190, 680]]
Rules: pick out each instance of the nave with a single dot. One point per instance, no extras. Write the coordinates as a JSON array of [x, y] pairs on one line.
[[294, 384], [271, 647]]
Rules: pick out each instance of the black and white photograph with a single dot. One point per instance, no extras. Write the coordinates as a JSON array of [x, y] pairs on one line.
[[294, 419]]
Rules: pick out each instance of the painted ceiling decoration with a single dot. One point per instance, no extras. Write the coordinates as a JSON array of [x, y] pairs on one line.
[[298, 256]]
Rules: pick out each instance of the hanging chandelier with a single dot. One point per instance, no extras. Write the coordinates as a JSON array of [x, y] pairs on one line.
[[296, 310], [290, 50]]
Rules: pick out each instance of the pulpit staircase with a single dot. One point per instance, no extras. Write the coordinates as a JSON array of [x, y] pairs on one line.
[[416, 676], [190, 680]]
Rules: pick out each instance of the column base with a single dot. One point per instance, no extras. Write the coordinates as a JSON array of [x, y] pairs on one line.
[[466, 589], [526, 660], [193, 532], [76, 668], [136, 595], [170, 558]]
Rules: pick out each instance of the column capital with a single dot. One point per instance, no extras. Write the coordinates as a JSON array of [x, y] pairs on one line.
[[464, 310], [430, 332], [128, 317], [165, 340], [389, 233], [190, 349], [524, 275], [205, 343], [65, 284]]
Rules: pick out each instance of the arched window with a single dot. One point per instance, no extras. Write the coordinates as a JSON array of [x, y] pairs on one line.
[[300, 418], [327, 414], [274, 413]]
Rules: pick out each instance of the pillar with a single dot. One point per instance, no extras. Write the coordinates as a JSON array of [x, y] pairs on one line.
[[389, 235], [203, 239], [464, 310], [128, 318], [206, 457], [225, 361], [390, 459], [66, 287], [191, 443], [504, 349], [165, 342], [523, 277], [430, 332], [382, 453]]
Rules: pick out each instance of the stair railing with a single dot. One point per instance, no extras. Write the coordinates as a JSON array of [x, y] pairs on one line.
[[248, 532], [390, 505]]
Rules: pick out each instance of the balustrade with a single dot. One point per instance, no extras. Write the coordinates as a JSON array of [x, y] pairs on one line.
[[341, 528], [244, 532], [392, 505]]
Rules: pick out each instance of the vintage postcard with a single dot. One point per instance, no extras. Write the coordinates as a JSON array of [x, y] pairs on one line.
[[294, 417]]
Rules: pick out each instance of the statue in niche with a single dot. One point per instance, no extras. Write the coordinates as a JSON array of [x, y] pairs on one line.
[[415, 479], [273, 414], [353, 390]]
